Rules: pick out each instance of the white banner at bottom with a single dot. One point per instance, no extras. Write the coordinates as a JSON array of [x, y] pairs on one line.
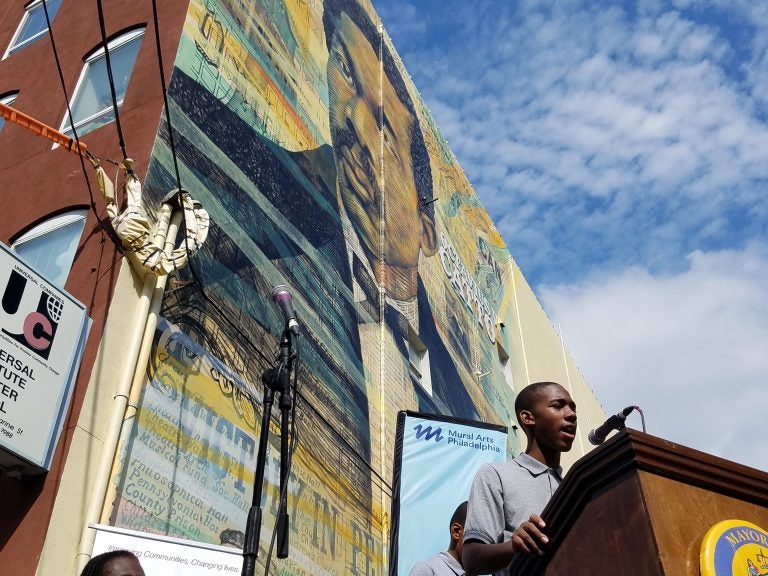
[[169, 556]]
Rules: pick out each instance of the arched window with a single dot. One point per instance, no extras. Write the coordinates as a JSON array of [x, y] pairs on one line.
[[92, 100], [33, 25], [50, 246], [7, 100]]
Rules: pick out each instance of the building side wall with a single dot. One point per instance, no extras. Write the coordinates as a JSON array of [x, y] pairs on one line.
[[76, 488], [38, 182], [295, 126], [299, 130]]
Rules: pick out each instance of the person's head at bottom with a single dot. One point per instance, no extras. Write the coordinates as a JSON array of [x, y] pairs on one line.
[[456, 528], [114, 563]]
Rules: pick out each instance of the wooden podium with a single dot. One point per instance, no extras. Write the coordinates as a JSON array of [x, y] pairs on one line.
[[640, 506]]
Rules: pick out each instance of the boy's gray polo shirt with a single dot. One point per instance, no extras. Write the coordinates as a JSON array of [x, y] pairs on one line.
[[441, 565], [506, 494]]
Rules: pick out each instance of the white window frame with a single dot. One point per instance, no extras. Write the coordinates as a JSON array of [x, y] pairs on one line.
[[112, 45], [17, 44], [50, 225], [8, 99]]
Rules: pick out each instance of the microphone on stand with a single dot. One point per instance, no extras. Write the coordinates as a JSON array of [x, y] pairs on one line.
[[276, 380], [282, 297], [615, 422]]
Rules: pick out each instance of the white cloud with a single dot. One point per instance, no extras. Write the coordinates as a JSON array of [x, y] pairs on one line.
[[632, 133], [621, 150], [691, 349]]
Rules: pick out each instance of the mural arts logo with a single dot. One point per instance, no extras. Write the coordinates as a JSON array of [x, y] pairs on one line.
[[35, 328], [734, 547], [473, 440], [458, 439], [428, 433]]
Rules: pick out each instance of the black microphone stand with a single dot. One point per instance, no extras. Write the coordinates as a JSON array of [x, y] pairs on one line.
[[277, 379]]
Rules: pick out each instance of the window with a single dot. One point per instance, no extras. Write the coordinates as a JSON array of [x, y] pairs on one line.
[[506, 365], [7, 100], [50, 247], [92, 100], [33, 25], [418, 361]]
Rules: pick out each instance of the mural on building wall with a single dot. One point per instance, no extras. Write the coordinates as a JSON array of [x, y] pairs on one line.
[[189, 467], [296, 126]]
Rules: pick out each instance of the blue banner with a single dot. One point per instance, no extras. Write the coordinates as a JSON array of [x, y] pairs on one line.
[[434, 470]]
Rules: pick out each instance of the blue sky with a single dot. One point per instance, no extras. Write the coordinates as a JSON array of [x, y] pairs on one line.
[[622, 150]]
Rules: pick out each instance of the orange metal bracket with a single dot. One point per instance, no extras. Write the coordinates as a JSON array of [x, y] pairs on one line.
[[37, 127]]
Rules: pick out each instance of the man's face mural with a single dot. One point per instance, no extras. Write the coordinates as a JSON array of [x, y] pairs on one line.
[[364, 133]]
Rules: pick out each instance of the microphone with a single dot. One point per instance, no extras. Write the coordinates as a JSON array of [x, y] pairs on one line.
[[282, 297], [615, 422]]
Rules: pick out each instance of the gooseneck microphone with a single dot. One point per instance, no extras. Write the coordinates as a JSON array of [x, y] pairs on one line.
[[282, 297], [615, 422]]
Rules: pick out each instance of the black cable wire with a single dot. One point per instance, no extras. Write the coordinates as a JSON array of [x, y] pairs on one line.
[[196, 281], [105, 159], [174, 155], [165, 92], [267, 361], [294, 427], [112, 91], [168, 123], [349, 448], [69, 114]]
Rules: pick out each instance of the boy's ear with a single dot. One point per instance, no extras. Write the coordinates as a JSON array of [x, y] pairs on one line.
[[526, 418], [456, 531]]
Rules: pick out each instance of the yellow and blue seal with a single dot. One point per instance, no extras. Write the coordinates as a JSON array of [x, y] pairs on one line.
[[734, 548]]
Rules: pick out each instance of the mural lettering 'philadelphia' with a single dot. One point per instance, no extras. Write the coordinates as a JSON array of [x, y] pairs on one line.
[[296, 126]]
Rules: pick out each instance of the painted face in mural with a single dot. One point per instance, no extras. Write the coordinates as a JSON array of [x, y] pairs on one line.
[[366, 135]]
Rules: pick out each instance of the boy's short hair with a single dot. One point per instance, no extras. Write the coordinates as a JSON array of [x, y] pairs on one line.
[[460, 514]]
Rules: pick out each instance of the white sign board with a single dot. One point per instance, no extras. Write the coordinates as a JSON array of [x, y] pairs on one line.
[[42, 334], [169, 556]]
